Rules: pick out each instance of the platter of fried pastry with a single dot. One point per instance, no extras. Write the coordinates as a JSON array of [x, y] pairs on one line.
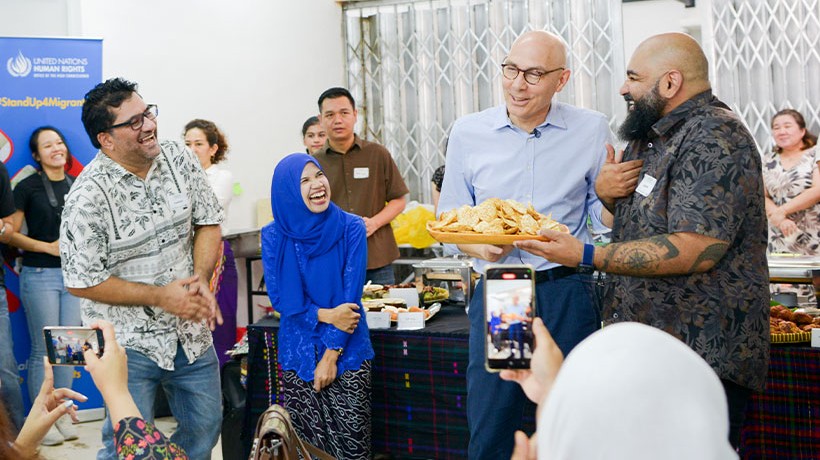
[[787, 326], [494, 221], [374, 298]]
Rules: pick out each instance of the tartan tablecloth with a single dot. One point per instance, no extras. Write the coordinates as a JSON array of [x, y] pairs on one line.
[[419, 386], [420, 395], [784, 421]]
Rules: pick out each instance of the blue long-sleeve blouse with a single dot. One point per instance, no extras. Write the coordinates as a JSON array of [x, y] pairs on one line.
[[302, 338]]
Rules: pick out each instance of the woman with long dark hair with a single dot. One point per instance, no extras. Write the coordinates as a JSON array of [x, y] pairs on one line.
[[39, 199]]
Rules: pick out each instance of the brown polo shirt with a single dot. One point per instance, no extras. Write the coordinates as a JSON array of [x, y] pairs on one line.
[[362, 181]]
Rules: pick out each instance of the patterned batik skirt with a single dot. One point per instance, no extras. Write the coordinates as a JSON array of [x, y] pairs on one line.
[[336, 419]]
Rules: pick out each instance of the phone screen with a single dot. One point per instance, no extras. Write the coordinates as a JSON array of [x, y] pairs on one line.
[[509, 307], [65, 345]]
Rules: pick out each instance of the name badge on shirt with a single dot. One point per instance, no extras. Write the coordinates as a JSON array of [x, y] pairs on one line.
[[178, 201], [361, 173], [646, 185]]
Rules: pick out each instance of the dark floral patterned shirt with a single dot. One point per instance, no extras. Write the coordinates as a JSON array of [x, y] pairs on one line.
[[708, 174], [438, 177], [136, 439]]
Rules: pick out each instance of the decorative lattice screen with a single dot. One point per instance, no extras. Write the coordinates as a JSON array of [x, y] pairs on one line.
[[767, 57], [416, 66]]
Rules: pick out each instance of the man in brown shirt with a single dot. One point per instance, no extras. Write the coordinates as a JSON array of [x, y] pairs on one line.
[[363, 177]]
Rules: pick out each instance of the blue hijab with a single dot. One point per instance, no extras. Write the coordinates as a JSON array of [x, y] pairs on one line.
[[299, 234]]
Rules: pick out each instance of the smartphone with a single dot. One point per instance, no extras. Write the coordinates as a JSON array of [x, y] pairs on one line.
[[509, 308], [65, 345]]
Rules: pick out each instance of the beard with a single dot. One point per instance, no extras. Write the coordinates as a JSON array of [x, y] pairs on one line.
[[645, 112]]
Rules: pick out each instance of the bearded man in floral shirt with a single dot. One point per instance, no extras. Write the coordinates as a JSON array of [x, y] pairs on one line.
[[689, 243]]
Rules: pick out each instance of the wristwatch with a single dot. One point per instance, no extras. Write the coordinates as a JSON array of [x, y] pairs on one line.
[[339, 350], [587, 265]]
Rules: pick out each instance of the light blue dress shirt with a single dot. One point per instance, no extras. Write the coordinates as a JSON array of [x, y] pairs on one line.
[[554, 168]]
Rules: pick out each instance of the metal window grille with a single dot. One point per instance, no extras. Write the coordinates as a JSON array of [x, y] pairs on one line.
[[414, 67], [767, 58]]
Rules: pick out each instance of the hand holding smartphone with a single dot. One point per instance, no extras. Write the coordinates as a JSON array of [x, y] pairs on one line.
[[509, 308], [65, 345]]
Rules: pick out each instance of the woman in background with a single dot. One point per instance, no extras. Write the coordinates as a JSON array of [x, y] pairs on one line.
[[210, 146], [313, 135], [39, 199], [314, 256], [792, 184]]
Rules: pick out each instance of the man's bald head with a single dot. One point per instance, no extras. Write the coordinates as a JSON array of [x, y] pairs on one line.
[[676, 51], [665, 71], [547, 43]]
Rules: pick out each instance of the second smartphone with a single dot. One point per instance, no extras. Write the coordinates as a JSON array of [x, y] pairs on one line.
[[509, 308], [65, 345]]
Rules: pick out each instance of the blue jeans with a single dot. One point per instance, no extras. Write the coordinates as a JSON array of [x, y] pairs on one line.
[[47, 303], [194, 396], [9, 377], [567, 308], [383, 275]]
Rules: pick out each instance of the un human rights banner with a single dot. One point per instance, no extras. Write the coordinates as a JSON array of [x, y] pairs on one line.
[[42, 82]]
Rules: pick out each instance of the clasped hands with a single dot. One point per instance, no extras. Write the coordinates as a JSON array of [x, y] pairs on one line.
[[190, 298], [779, 220]]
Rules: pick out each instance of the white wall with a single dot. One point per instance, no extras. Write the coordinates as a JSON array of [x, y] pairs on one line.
[[644, 19], [255, 67]]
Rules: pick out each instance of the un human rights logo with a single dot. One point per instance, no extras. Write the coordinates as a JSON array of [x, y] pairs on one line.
[[18, 66]]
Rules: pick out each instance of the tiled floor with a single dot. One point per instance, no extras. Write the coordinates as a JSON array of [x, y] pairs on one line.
[[89, 443]]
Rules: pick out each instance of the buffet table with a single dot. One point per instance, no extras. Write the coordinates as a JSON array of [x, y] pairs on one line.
[[419, 388], [419, 393]]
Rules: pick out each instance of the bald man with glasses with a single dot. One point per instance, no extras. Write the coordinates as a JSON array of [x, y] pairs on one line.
[[533, 150]]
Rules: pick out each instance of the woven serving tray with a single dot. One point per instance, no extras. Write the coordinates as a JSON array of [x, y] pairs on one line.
[[798, 337]]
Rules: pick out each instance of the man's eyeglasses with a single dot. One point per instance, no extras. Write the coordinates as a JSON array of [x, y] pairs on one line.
[[137, 121], [531, 76]]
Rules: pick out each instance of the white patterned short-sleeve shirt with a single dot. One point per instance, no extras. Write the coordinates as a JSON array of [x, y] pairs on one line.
[[117, 224]]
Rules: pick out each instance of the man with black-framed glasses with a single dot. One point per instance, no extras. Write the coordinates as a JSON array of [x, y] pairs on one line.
[[533, 150], [139, 240]]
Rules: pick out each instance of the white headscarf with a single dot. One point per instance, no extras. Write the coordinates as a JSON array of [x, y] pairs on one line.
[[634, 392]]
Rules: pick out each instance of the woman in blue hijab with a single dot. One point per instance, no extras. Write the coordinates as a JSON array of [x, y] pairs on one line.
[[315, 256]]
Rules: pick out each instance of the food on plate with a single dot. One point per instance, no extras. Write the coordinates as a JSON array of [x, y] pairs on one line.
[[784, 321], [801, 318], [373, 291], [372, 304], [496, 217], [435, 294], [394, 311], [394, 301], [419, 309]]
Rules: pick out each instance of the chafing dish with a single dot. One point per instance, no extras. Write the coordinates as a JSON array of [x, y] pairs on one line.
[[451, 273]]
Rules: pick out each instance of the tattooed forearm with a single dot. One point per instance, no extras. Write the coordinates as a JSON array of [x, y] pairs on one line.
[[640, 258], [712, 254]]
